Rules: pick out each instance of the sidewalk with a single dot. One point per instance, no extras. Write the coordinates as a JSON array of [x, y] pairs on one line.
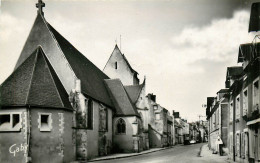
[[207, 154], [124, 155]]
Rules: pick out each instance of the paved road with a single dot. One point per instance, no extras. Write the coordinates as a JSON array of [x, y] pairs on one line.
[[177, 154]]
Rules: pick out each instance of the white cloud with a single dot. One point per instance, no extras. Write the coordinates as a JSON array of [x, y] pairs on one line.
[[217, 41]]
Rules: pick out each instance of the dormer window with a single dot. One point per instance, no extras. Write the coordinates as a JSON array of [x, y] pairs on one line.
[[115, 65]]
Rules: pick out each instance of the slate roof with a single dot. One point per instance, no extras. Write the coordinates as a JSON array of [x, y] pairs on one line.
[[120, 98], [34, 83], [134, 91], [244, 52], [234, 71], [92, 78], [248, 51], [223, 91], [254, 23]]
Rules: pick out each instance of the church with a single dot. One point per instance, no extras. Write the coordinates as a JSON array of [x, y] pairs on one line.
[[59, 106]]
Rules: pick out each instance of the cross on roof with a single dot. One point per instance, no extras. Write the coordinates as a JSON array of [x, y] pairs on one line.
[[40, 5]]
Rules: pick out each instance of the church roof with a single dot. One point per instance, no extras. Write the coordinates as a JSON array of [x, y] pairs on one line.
[[92, 78], [58, 48], [34, 83], [120, 98], [134, 91]]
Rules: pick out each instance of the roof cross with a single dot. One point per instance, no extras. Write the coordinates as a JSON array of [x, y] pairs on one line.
[[40, 5]]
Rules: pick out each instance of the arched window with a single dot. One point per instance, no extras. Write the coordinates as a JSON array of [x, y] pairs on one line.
[[120, 125]]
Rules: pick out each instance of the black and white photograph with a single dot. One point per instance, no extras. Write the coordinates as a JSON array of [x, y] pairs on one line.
[[129, 81]]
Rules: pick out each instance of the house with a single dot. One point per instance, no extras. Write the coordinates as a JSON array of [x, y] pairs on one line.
[[234, 83], [244, 99], [245, 106], [217, 110], [170, 129], [160, 131], [181, 130], [177, 128]]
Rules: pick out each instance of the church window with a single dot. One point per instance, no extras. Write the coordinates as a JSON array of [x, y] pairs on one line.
[[115, 65], [121, 126], [90, 114], [10, 122], [45, 121]]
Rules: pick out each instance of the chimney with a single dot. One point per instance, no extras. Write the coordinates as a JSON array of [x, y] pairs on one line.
[[254, 22], [78, 86]]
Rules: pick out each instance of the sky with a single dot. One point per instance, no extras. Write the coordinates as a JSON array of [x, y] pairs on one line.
[[183, 47]]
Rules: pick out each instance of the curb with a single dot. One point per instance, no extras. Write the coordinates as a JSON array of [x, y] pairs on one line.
[[137, 154]]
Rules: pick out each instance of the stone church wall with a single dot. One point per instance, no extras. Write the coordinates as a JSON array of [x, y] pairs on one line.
[[55, 145], [93, 142], [13, 150], [124, 142]]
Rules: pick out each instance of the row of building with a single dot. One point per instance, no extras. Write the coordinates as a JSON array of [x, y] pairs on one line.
[[57, 106], [233, 115]]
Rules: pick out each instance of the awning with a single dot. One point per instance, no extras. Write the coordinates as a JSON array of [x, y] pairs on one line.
[[253, 122]]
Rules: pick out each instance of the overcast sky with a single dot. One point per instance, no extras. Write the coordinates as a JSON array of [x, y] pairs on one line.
[[182, 46]]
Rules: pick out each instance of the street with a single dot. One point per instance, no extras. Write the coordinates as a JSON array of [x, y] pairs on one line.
[[178, 154]]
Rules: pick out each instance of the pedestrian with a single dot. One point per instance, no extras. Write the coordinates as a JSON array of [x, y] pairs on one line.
[[219, 143]]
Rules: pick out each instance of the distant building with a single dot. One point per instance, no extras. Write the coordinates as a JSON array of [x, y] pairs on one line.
[[217, 110]]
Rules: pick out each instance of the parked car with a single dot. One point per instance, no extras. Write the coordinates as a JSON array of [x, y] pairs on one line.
[[192, 142]]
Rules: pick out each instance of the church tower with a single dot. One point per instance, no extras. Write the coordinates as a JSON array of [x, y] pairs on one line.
[[118, 67]]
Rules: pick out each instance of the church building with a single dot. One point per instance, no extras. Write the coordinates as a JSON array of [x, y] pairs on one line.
[[59, 106]]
